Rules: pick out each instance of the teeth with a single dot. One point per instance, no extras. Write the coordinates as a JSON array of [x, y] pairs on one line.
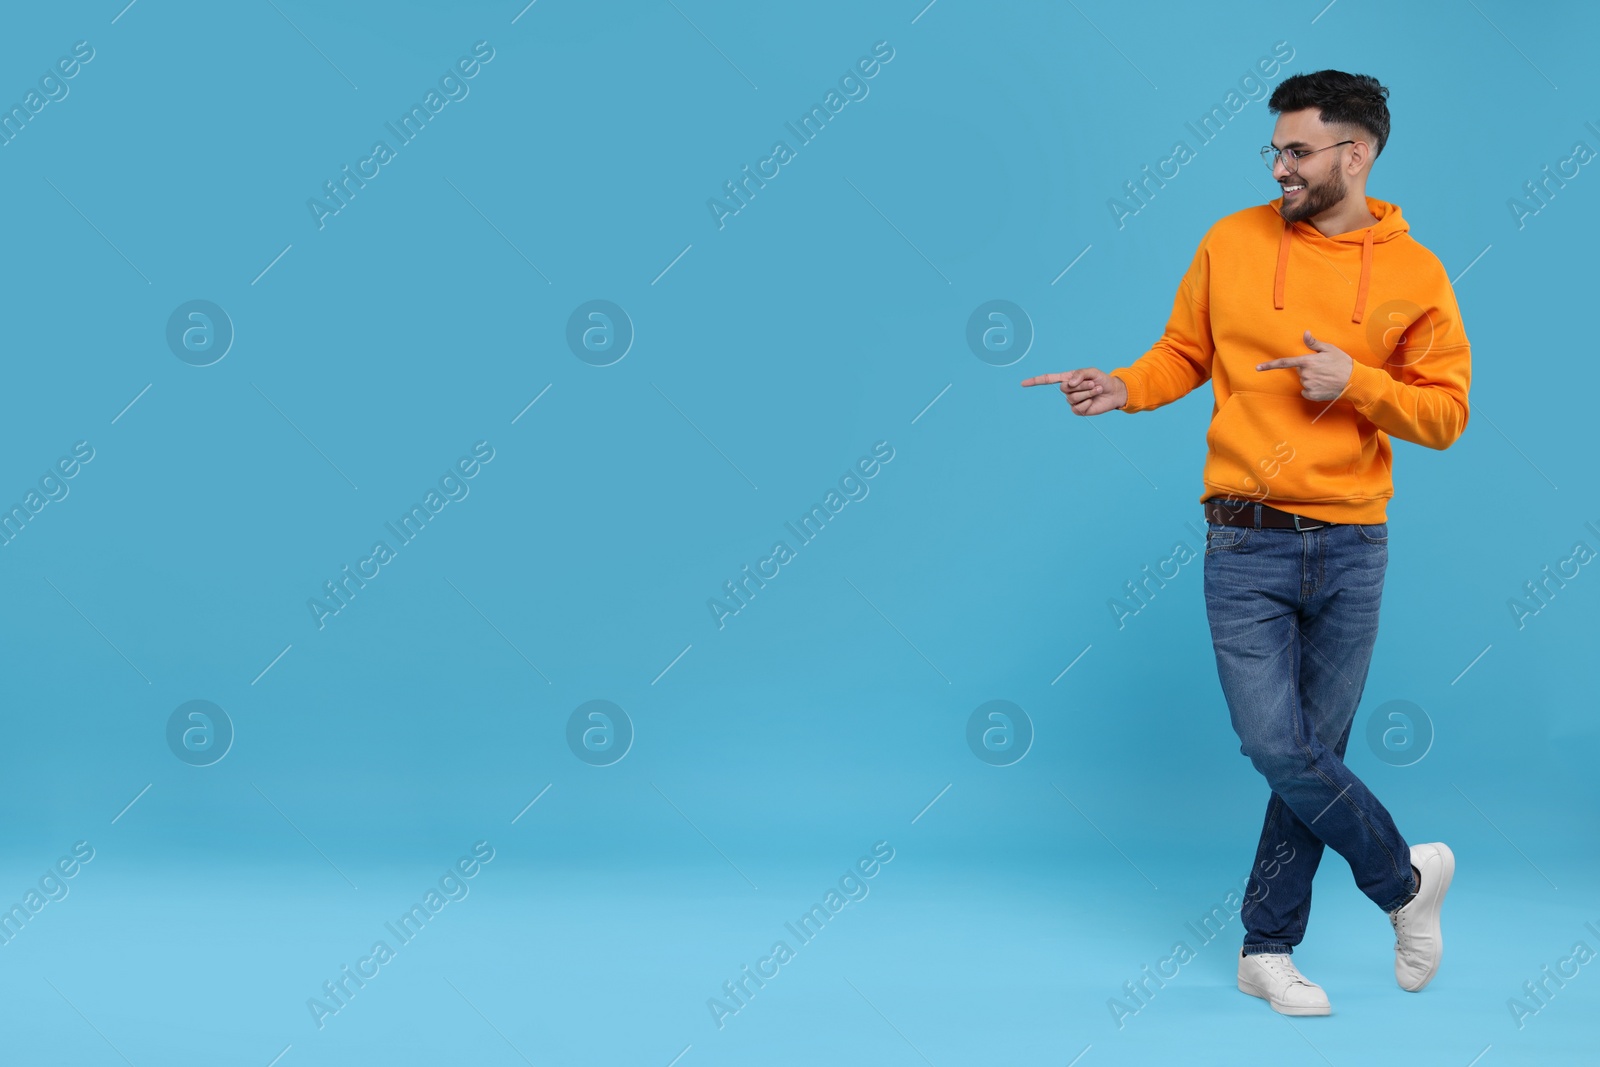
[[1293, 188]]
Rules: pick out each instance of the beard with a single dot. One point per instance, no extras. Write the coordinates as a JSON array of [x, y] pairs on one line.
[[1316, 198]]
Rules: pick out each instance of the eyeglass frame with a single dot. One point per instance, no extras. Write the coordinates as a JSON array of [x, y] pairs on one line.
[[1272, 160]]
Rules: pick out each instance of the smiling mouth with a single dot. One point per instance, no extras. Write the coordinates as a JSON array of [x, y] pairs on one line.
[[1290, 191]]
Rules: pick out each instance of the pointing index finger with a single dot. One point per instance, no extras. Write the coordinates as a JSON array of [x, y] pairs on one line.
[[1051, 379]]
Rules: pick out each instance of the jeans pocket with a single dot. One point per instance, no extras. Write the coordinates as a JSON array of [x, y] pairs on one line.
[[1376, 533], [1220, 537]]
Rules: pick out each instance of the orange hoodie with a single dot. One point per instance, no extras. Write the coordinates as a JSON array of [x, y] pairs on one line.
[[1254, 286]]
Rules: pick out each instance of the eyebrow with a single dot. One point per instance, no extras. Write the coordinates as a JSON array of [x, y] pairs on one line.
[[1293, 144]]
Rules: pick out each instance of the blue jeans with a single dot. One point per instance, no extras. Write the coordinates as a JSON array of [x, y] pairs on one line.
[[1294, 616]]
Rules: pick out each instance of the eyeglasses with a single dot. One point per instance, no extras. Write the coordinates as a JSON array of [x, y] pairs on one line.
[[1291, 156]]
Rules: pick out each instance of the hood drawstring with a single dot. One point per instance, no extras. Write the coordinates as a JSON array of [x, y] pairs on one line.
[[1366, 273], [1283, 269], [1283, 273]]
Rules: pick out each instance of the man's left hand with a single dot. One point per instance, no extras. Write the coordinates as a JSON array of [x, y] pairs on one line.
[[1323, 375]]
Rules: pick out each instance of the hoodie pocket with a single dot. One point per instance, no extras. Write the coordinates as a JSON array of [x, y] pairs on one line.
[[1284, 447]]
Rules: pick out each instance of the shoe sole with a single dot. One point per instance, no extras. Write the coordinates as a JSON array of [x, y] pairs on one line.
[[1449, 873], [1281, 1008]]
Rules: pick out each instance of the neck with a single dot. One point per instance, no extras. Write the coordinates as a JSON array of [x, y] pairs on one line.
[[1351, 213]]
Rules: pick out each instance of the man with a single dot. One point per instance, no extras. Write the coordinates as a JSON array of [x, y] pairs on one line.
[[1297, 478]]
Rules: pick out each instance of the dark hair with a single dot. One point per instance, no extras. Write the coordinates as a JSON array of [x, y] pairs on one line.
[[1340, 98]]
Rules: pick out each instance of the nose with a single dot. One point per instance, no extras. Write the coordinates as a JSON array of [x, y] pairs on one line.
[[1279, 168]]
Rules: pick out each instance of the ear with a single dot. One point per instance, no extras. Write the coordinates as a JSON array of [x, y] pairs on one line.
[[1360, 155]]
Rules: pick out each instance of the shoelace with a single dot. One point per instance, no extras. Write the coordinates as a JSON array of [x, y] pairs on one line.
[[1278, 963], [1397, 919]]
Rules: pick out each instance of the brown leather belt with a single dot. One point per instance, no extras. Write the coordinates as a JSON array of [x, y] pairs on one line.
[[1244, 513]]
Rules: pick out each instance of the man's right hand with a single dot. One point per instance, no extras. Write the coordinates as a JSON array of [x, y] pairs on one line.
[[1089, 391]]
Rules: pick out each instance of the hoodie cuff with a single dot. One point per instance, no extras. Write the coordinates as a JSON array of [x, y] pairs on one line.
[[1367, 384], [1134, 386]]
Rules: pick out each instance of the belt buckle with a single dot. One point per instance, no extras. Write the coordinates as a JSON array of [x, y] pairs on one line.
[[1304, 529]]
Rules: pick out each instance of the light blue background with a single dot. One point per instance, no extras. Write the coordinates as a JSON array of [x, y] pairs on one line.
[[769, 755]]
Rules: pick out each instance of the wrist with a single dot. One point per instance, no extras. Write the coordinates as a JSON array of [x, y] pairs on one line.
[[1120, 391]]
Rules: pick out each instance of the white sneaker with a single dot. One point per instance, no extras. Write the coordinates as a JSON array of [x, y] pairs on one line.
[[1418, 941], [1273, 977]]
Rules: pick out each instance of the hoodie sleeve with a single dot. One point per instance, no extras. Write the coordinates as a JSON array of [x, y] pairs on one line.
[[1419, 394], [1181, 360]]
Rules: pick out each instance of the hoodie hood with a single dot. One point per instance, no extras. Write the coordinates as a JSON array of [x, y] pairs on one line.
[[1389, 226]]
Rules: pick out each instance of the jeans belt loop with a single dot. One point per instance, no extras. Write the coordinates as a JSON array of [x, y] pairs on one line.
[[1258, 514]]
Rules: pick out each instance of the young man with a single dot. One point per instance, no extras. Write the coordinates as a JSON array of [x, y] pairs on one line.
[[1297, 478]]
